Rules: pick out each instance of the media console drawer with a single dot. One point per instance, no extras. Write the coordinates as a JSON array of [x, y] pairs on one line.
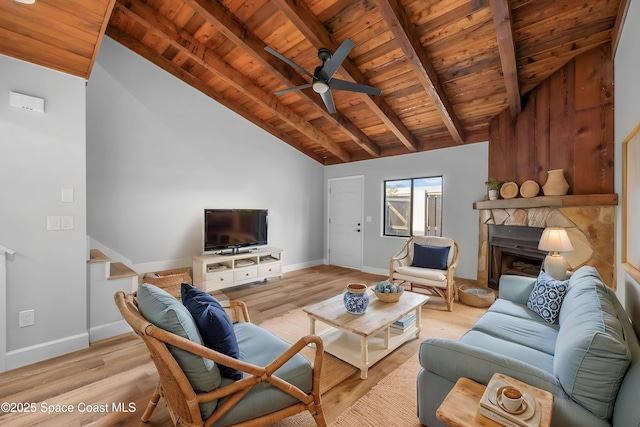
[[246, 273], [269, 268]]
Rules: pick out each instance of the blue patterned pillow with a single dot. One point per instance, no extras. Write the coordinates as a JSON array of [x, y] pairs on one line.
[[546, 297]]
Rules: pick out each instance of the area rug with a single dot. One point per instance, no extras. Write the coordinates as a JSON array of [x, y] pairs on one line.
[[392, 402], [294, 325]]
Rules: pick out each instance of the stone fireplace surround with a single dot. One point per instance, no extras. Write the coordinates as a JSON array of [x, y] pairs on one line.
[[589, 220]]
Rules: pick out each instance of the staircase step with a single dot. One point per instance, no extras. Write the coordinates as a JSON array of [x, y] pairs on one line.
[[120, 270], [95, 255]]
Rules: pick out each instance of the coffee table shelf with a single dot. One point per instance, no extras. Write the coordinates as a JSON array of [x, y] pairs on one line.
[[362, 340]]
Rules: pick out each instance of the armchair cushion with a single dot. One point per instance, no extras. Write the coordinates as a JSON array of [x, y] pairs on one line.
[[166, 312], [436, 275], [214, 325], [260, 347], [427, 256]]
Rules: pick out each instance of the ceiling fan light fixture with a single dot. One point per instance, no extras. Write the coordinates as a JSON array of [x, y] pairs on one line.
[[320, 87]]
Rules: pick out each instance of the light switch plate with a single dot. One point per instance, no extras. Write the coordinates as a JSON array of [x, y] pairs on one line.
[[53, 223], [66, 222], [67, 195]]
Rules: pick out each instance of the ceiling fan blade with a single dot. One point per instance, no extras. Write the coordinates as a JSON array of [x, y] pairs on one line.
[[334, 63], [291, 89], [328, 101], [287, 60], [338, 84]]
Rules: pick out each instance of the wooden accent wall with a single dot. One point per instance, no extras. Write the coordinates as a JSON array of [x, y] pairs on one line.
[[566, 123]]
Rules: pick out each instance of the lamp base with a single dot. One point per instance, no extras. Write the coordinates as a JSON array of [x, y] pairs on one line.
[[555, 266]]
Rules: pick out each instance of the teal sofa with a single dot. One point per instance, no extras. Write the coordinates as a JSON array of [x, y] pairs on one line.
[[589, 360]]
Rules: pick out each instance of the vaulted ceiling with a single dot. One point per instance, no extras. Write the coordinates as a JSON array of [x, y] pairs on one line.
[[444, 68]]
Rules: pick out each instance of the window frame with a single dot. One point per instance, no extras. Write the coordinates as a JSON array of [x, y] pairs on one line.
[[412, 181]]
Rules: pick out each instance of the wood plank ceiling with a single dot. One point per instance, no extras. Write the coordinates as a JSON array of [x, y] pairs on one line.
[[445, 68]]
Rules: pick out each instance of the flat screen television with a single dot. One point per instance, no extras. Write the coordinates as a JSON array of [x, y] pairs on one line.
[[232, 229]]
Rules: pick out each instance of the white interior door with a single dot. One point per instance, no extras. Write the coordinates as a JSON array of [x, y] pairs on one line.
[[345, 222]]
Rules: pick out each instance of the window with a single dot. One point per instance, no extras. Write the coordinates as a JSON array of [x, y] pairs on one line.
[[413, 207]]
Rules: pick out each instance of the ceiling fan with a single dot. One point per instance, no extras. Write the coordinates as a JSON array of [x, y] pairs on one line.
[[323, 80]]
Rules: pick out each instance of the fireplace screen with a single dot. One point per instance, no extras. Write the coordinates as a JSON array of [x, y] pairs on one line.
[[514, 250]]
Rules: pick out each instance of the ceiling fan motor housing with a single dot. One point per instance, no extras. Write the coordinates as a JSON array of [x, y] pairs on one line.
[[324, 54]]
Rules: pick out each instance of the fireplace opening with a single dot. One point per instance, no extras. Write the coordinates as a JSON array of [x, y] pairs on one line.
[[513, 250]]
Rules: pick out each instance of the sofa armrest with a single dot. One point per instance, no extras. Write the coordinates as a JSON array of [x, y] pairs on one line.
[[454, 359], [516, 288]]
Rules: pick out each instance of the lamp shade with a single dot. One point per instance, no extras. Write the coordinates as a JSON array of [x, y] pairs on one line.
[[555, 239]]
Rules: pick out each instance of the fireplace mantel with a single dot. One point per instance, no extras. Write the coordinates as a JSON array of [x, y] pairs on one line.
[[549, 201], [589, 220]]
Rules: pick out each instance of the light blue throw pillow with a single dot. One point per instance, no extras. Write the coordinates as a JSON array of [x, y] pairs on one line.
[[166, 312], [546, 297]]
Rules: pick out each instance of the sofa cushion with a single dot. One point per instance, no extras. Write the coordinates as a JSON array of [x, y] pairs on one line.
[[214, 325], [260, 347], [591, 356], [520, 311], [427, 256], [546, 297], [166, 312], [506, 348], [538, 335]]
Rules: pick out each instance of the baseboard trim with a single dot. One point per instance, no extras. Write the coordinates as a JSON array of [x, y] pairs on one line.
[[300, 266], [373, 270], [109, 330], [37, 353]]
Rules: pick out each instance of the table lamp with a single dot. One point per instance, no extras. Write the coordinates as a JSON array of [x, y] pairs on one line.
[[554, 240]]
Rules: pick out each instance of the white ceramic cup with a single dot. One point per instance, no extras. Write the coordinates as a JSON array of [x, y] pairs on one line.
[[511, 399]]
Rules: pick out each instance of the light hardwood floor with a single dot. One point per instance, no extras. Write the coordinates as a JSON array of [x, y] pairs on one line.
[[118, 371]]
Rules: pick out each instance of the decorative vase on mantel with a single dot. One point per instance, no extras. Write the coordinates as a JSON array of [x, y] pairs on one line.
[[556, 184], [356, 299]]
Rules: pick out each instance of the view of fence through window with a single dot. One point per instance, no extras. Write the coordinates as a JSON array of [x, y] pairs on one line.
[[413, 207]]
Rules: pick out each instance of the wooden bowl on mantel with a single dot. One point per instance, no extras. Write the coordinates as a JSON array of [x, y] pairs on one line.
[[509, 190], [529, 189]]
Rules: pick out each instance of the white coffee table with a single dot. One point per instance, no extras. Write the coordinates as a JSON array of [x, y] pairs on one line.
[[362, 340]]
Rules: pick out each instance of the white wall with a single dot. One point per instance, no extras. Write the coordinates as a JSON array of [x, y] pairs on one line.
[[39, 155], [627, 115], [463, 169], [159, 152]]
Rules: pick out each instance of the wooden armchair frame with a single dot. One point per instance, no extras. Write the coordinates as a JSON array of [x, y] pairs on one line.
[[448, 292], [183, 402]]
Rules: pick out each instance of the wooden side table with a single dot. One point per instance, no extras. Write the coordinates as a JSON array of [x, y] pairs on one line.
[[461, 407]]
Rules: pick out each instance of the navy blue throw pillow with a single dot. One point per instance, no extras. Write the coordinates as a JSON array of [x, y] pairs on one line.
[[214, 325], [426, 256]]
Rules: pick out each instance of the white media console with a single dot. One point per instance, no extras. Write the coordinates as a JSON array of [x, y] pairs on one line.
[[215, 272]]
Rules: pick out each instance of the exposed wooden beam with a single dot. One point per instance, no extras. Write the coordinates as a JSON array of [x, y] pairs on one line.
[[406, 36], [103, 28], [203, 56], [623, 9], [506, 48], [225, 22], [311, 27], [141, 49]]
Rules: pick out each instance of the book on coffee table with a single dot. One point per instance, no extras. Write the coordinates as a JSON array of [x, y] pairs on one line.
[[528, 415]]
